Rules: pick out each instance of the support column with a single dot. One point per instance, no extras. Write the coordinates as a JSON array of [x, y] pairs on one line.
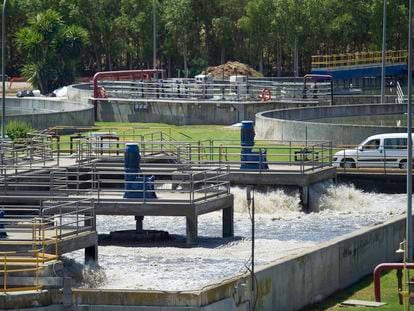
[[228, 221], [304, 197], [139, 223], [192, 230], [67, 294], [91, 254]]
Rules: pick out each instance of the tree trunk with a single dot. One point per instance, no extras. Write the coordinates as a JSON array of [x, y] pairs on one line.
[[296, 59], [261, 61], [109, 60], [98, 60], [185, 61], [223, 54], [169, 66], [279, 60]]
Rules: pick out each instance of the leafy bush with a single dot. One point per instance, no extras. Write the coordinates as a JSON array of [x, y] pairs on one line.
[[16, 130]]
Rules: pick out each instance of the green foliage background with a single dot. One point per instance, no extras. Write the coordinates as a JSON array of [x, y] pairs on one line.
[[117, 34]]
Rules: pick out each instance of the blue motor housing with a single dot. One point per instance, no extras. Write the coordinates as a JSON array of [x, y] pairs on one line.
[[247, 133], [3, 234], [136, 185], [139, 187], [132, 158], [250, 159]]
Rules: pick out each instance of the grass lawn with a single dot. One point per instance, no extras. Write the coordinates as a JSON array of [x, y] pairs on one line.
[[363, 290], [181, 133], [220, 134]]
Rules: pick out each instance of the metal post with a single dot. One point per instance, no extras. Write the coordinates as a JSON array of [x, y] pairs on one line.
[[3, 61], [154, 34], [250, 202], [384, 44], [409, 226]]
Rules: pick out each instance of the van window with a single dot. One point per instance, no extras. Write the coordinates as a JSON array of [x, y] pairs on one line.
[[395, 143], [372, 144]]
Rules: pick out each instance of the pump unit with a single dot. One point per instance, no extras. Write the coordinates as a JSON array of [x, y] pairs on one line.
[[136, 185], [250, 159]]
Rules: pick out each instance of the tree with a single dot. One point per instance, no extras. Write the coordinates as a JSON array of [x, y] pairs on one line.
[[51, 50], [178, 18], [135, 22], [256, 23], [222, 27]]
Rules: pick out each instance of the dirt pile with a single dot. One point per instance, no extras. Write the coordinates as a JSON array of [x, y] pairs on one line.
[[231, 69]]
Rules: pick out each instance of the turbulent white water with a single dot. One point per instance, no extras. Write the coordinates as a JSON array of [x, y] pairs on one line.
[[282, 229]]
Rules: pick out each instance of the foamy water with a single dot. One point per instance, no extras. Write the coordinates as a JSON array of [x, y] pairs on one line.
[[282, 229]]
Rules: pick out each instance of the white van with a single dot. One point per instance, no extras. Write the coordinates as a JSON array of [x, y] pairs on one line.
[[381, 150]]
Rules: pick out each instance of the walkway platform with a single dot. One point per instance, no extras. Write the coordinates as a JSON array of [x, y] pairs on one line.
[[55, 227]]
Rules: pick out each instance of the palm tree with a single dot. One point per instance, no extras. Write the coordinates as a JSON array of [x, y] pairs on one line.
[[52, 50]]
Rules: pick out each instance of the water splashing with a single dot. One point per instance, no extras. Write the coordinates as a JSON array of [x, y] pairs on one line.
[[276, 202]]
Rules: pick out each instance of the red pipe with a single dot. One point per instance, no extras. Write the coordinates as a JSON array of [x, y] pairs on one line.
[[384, 267], [137, 74]]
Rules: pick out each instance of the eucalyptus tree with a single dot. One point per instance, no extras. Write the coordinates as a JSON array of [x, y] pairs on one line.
[[257, 24], [179, 19], [135, 24]]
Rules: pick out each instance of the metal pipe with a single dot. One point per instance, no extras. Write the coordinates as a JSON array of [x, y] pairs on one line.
[[384, 39], [3, 61], [385, 267], [409, 225]]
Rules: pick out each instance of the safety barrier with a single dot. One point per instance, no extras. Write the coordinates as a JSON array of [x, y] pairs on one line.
[[160, 147], [400, 94], [36, 232], [33, 149], [189, 89], [96, 180], [358, 58], [300, 156]]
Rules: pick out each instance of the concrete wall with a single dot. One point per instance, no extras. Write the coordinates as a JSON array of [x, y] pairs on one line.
[[306, 279], [179, 112], [362, 99], [80, 92], [42, 112], [290, 124], [185, 112]]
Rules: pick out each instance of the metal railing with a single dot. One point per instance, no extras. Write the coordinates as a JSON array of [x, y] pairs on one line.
[[185, 185], [38, 237], [223, 90], [48, 223], [34, 149], [96, 179], [358, 58], [301, 156], [400, 94], [280, 156], [27, 264]]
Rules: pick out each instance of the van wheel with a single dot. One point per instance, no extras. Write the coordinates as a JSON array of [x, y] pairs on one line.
[[348, 163], [403, 165]]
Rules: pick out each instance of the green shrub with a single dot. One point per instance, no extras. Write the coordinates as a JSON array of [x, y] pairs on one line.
[[16, 130]]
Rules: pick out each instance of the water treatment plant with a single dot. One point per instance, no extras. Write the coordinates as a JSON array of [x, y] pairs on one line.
[[147, 216], [131, 181]]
